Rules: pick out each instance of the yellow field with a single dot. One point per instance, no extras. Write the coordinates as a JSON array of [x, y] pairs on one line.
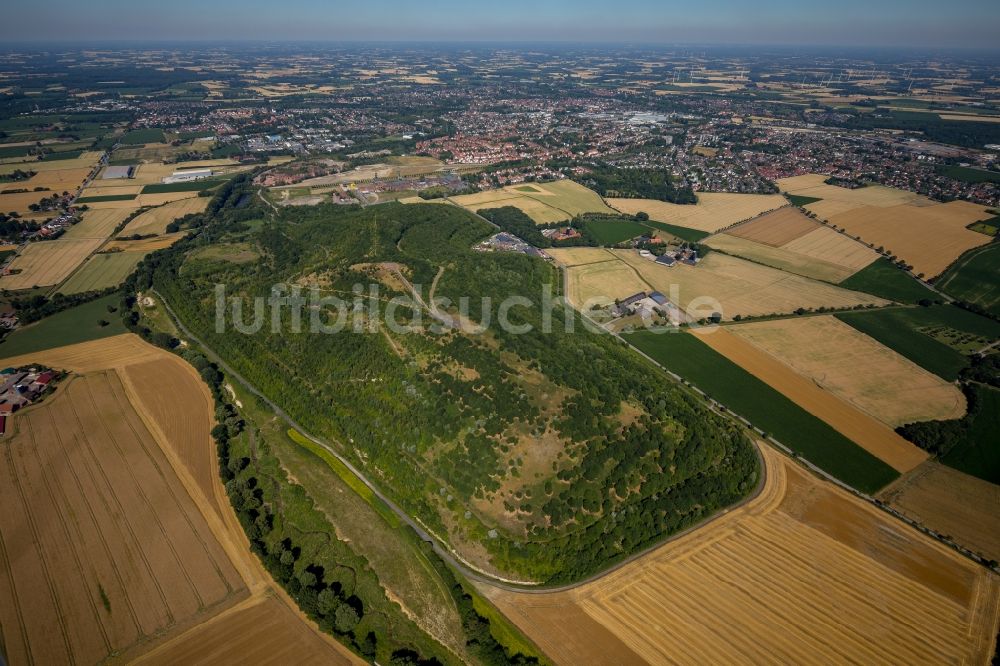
[[540, 212], [46, 263], [57, 180], [825, 244], [155, 221], [573, 256], [840, 199], [857, 369], [741, 287], [601, 283], [793, 262], [713, 211], [146, 244], [19, 203], [568, 196], [804, 573], [777, 227], [86, 160], [180, 580], [927, 237], [97, 223], [164, 198], [545, 203], [99, 188]]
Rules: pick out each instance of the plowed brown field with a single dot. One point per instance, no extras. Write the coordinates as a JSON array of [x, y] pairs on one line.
[[804, 573]]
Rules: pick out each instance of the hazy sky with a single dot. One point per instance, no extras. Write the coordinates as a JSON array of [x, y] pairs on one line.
[[918, 23]]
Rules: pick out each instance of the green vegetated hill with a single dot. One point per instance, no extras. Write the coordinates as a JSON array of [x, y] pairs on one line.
[[545, 456]]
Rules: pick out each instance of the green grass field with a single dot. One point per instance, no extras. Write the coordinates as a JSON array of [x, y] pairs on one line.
[[766, 408], [102, 271], [190, 186], [140, 136], [799, 200], [77, 324], [106, 197], [923, 334], [882, 278], [613, 231], [978, 453], [690, 235], [975, 278], [990, 227], [969, 175]]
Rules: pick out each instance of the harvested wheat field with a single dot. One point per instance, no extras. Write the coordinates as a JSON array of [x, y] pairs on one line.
[[835, 199], [953, 503], [602, 283], [85, 162], [856, 368], [825, 244], [58, 180], [538, 211], [20, 203], [741, 287], [568, 196], [102, 548], [97, 223], [123, 509], [868, 433], [262, 628], [574, 256], [786, 260], [714, 210], [776, 228], [110, 188], [116, 351], [804, 573], [45, 263], [927, 237], [155, 220]]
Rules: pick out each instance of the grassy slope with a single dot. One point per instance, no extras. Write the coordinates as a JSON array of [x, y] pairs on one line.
[[881, 278], [975, 278], [77, 324], [691, 235], [766, 408], [898, 330]]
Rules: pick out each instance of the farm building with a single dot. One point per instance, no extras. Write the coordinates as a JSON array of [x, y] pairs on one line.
[[118, 172], [666, 260], [187, 176]]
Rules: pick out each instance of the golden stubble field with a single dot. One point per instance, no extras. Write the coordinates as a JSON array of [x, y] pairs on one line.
[[924, 233], [741, 287], [856, 368], [97, 223], [544, 203], [714, 210], [45, 263], [155, 220], [804, 573], [122, 543]]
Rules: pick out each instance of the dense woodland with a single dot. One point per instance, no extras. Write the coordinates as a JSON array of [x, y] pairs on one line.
[[445, 421], [637, 184]]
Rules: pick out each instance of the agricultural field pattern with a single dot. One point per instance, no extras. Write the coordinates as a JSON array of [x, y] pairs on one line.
[[411, 336]]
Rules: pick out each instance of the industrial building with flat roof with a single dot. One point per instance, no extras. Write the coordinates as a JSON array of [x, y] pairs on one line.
[[118, 172]]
